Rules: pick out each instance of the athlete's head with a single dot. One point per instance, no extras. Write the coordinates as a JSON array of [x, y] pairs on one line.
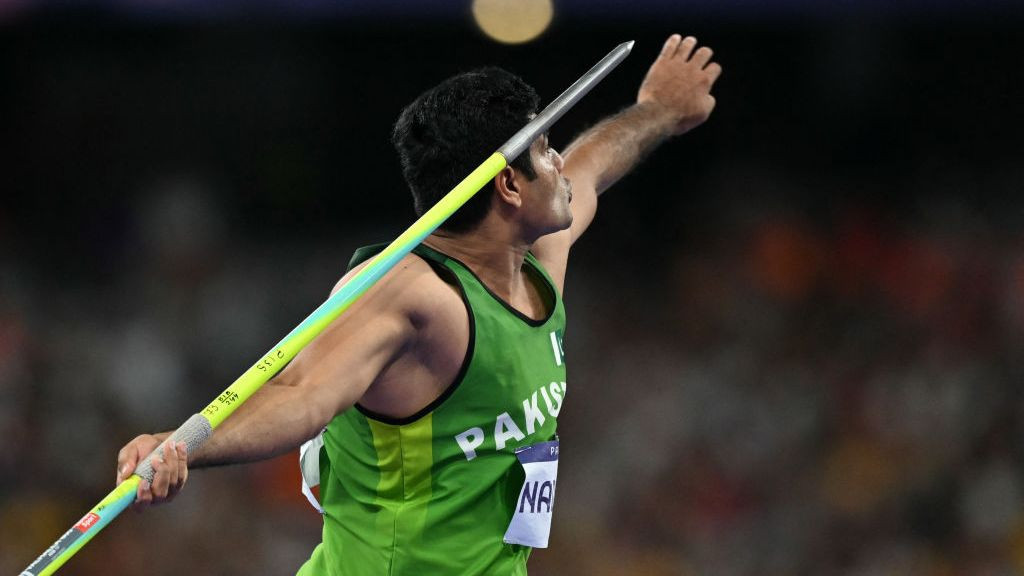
[[451, 128]]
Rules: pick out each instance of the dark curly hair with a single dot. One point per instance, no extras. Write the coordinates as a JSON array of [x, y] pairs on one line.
[[450, 129]]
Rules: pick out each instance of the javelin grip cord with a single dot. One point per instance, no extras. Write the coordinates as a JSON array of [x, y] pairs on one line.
[[197, 429]]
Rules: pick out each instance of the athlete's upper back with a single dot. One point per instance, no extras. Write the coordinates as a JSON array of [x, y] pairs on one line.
[[435, 492]]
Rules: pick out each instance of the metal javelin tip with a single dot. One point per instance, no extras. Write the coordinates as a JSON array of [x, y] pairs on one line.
[[559, 106]]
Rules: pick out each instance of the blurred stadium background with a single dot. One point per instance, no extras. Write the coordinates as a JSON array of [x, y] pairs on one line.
[[796, 334]]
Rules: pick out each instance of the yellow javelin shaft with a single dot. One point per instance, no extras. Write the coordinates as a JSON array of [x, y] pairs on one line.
[[303, 334], [199, 427]]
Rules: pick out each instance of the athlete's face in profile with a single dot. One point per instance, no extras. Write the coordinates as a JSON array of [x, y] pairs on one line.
[[547, 197]]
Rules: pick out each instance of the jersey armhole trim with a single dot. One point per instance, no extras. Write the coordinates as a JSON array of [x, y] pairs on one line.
[[449, 277]]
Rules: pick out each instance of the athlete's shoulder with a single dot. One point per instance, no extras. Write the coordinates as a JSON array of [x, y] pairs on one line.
[[432, 326], [412, 288]]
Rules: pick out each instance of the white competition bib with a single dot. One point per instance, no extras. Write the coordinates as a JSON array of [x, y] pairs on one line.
[[531, 523]]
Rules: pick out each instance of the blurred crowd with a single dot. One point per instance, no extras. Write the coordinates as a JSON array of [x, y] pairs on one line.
[[802, 391], [794, 339], [809, 394]]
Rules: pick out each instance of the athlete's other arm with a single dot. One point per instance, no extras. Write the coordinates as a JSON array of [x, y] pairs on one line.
[[674, 98], [326, 377]]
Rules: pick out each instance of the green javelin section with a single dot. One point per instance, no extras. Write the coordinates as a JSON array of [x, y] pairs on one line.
[[272, 362]]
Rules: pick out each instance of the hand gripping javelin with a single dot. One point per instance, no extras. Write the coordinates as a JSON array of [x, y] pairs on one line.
[[199, 427]]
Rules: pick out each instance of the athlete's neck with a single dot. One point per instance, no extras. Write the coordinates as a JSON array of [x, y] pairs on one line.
[[497, 261]]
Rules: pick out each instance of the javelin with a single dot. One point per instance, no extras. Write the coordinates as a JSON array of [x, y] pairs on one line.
[[197, 429]]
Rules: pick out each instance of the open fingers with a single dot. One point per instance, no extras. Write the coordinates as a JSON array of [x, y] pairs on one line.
[[702, 56], [714, 70], [670, 46], [686, 47]]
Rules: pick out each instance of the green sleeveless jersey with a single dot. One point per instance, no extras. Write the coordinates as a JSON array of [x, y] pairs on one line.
[[433, 494]]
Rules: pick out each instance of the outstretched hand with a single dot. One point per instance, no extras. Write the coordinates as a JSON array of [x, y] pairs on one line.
[[169, 472], [680, 81]]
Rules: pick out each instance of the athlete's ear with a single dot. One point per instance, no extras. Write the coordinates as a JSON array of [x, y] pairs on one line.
[[507, 187]]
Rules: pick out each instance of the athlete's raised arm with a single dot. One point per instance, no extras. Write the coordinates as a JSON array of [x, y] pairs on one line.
[[674, 98]]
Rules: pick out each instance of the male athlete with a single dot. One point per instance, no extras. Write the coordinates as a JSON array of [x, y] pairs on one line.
[[431, 403]]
